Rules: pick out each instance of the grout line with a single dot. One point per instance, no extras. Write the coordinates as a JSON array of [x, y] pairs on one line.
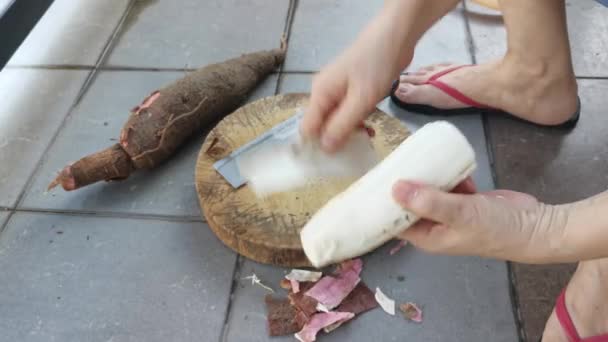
[[470, 46], [293, 4], [51, 67], [110, 214], [521, 331], [77, 99], [291, 11], [146, 69], [592, 77], [5, 223], [233, 285], [106, 50], [468, 34]]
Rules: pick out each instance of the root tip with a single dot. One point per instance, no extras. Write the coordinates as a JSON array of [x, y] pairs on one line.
[[64, 178]]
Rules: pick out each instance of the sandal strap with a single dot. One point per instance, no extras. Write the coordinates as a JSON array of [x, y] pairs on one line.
[[453, 92], [566, 322], [564, 318]]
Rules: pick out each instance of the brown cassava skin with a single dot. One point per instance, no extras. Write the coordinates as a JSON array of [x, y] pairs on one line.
[[161, 123]]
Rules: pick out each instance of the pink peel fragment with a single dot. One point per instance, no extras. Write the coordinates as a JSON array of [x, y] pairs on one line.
[[319, 321], [411, 311], [147, 102], [397, 247], [295, 286], [331, 290]]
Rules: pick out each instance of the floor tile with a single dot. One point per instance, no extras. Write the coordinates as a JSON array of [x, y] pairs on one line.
[[96, 122], [323, 29], [179, 33], [462, 298], [538, 286], [71, 32], [68, 278], [587, 26], [471, 126], [30, 114], [557, 167]]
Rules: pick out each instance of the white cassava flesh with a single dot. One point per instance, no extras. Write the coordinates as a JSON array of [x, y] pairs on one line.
[[365, 215]]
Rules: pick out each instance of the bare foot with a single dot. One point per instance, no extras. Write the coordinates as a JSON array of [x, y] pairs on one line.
[[586, 302], [535, 93]]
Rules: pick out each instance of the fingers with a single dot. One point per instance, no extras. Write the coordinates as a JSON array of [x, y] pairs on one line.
[[349, 114], [326, 93], [429, 203]]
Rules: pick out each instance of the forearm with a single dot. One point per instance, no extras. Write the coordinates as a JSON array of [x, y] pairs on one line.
[[570, 232], [586, 233], [405, 22]]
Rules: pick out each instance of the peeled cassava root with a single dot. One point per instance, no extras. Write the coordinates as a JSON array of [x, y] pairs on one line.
[[365, 215], [168, 116]]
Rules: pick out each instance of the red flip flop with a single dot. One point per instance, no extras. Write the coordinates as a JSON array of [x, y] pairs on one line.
[[566, 322], [474, 107]]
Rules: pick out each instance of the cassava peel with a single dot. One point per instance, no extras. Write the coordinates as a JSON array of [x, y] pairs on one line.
[[167, 117]]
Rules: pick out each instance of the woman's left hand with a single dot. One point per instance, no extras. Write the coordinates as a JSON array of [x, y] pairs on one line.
[[499, 224]]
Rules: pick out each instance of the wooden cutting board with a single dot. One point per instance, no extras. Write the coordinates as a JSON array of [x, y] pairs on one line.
[[267, 230]]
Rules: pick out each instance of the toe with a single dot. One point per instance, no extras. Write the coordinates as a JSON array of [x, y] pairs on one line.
[[434, 67], [427, 95], [413, 78]]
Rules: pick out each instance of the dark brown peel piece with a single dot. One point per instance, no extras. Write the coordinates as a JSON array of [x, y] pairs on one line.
[[361, 299], [281, 316]]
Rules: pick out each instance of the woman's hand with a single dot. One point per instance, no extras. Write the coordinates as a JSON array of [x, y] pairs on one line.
[[498, 224], [346, 91]]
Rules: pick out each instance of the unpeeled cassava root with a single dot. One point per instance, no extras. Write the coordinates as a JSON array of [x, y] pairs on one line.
[[160, 124], [365, 215]]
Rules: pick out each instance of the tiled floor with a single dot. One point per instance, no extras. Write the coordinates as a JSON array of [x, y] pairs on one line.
[[81, 278], [134, 260]]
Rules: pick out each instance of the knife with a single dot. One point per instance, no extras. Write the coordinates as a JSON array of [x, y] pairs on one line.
[[280, 160]]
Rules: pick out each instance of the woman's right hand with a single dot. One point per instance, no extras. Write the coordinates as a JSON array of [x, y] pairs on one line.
[[346, 91]]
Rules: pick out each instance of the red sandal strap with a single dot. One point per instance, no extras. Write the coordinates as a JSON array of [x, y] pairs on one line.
[[564, 318], [566, 322], [455, 93]]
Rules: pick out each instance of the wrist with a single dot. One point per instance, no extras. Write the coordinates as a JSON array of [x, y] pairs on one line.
[[548, 240], [586, 233], [535, 235]]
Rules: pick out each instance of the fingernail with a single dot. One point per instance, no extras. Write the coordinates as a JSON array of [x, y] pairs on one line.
[[405, 192]]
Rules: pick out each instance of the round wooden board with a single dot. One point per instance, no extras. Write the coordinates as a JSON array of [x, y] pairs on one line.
[[267, 230]]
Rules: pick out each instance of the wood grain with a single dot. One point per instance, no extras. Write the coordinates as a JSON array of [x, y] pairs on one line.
[[267, 230]]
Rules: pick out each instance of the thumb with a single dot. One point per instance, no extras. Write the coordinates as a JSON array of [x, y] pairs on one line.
[[432, 204]]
